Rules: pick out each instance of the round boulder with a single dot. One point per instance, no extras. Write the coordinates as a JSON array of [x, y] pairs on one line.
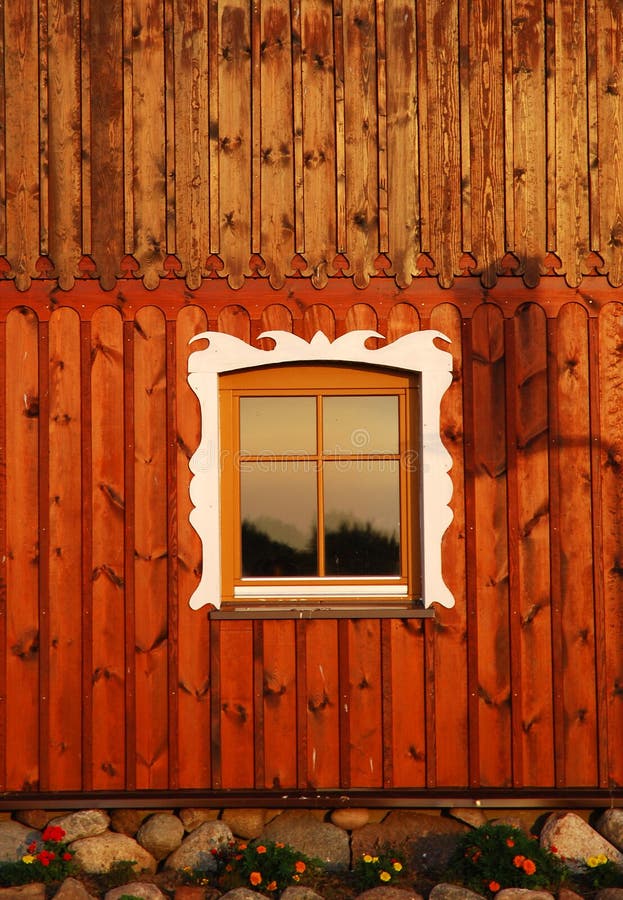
[[317, 840], [81, 824], [195, 851], [350, 819], [14, 839], [160, 835], [100, 853], [245, 823]]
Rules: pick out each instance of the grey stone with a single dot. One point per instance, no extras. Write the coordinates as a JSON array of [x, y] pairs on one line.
[[245, 823], [143, 889], [36, 818], [23, 892], [14, 839], [241, 893], [160, 835], [428, 841], [610, 826], [315, 839], [515, 893], [81, 824], [196, 850], [350, 819], [100, 853], [300, 892], [444, 891], [72, 889], [128, 821], [575, 840], [470, 816], [386, 892], [609, 894], [192, 818]]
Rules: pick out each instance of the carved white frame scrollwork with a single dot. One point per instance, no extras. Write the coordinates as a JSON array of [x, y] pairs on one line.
[[414, 352]]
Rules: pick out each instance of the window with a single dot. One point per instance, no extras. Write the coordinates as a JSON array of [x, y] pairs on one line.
[[320, 481]]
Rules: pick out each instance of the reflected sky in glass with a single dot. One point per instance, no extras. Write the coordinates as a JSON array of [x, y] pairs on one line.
[[277, 425], [279, 500], [362, 501], [360, 424]]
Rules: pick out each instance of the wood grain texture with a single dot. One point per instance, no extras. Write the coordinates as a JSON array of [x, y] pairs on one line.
[[236, 705], [404, 690], [279, 694], [64, 650], [323, 701], [362, 693], [150, 548], [107, 549], [23, 560]]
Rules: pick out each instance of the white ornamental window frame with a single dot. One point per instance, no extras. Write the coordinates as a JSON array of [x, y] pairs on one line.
[[414, 353]]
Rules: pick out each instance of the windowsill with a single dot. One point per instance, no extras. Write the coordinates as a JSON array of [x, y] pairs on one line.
[[284, 610]]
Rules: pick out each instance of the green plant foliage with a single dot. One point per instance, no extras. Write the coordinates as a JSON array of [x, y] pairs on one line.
[[121, 872], [494, 857], [599, 872], [372, 870]]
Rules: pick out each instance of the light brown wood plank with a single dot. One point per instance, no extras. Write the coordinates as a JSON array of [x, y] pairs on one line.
[[64, 155], [322, 704], [150, 549], [279, 690], [276, 142]]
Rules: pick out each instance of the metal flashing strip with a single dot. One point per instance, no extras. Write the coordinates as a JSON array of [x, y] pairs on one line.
[[300, 611]]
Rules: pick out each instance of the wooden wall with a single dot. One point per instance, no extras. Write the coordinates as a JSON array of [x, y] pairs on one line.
[[111, 682], [310, 136]]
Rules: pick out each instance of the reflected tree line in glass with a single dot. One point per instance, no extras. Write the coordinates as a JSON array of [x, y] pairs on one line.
[[289, 462]]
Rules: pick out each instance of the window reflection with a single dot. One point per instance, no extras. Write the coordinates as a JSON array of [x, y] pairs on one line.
[[360, 424], [277, 425], [279, 516], [362, 517]]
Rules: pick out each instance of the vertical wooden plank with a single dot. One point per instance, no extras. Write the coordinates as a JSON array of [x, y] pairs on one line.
[[404, 220], [234, 320], [572, 173], [129, 612], [3, 549], [279, 692], [527, 152], [213, 122], [256, 125], [322, 704], [86, 554], [382, 126], [551, 160], [361, 316], [44, 130], [192, 200], [44, 557], [65, 138], [277, 141], [491, 547], [340, 126], [84, 55], [64, 649], [360, 129], [318, 318], [574, 625], [297, 127], [235, 139], [322, 156], [108, 541], [172, 556], [608, 42], [21, 32], [148, 139], [531, 624], [408, 718], [610, 474], [170, 120], [448, 653], [106, 144], [193, 669], [236, 705], [403, 318], [150, 549], [23, 560], [443, 137], [3, 108], [486, 119], [363, 700]]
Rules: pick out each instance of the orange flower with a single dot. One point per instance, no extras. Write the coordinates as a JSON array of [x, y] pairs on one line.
[[296, 877], [518, 861], [300, 866], [528, 866], [509, 843], [261, 849], [255, 878], [494, 887], [271, 886], [242, 846]]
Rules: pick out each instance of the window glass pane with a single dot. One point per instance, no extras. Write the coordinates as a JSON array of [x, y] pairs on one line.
[[277, 425], [360, 424], [362, 517], [279, 516]]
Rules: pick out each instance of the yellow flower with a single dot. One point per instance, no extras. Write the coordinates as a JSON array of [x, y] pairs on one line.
[[592, 861], [397, 867], [385, 876], [367, 858], [602, 858], [29, 858], [375, 859]]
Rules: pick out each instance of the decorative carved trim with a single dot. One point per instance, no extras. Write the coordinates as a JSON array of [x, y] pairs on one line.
[[414, 352]]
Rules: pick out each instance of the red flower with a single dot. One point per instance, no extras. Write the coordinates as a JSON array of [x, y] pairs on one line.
[[510, 842], [553, 849], [494, 887], [67, 856], [518, 861], [32, 847], [53, 833], [261, 849], [528, 866]]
